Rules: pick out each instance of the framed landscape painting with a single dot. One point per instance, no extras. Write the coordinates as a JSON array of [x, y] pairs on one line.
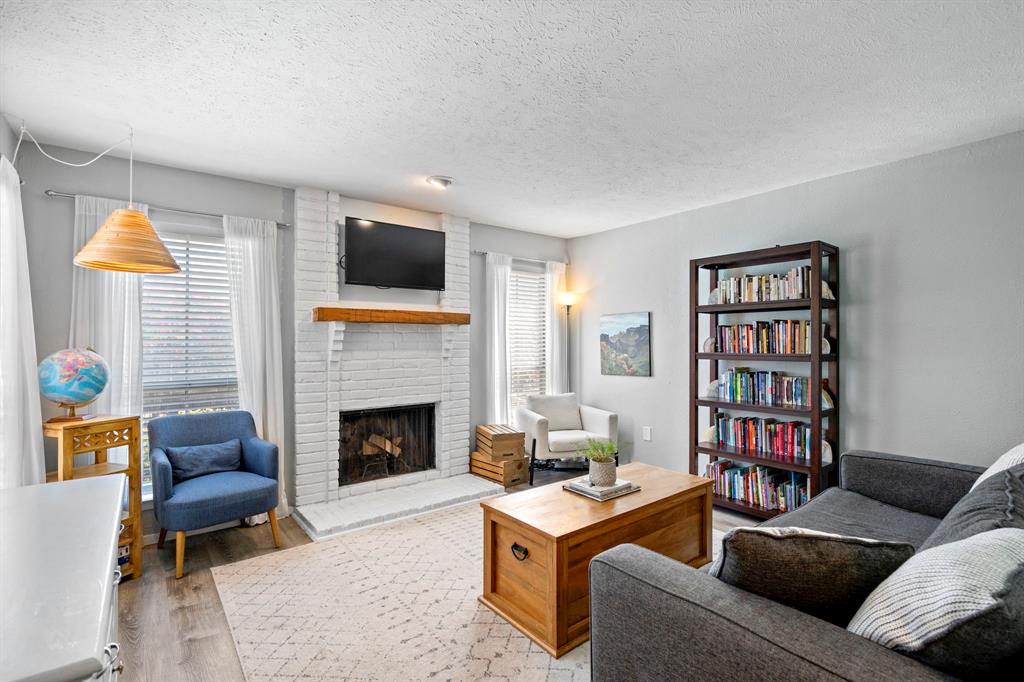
[[626, 344]]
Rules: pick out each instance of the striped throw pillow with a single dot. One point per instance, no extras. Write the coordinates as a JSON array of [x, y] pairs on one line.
[[958, 607], [1011, 458]]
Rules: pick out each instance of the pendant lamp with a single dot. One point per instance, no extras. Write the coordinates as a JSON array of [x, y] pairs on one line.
[[127, 241]]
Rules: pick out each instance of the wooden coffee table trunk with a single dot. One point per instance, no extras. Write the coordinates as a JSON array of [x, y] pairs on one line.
[[538, 545]]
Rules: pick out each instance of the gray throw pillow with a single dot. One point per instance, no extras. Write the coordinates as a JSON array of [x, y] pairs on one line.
[[199, 460], [997, 502], [825, 575], [958, 607]]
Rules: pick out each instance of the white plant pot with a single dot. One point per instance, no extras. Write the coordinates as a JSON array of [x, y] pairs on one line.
[[602, 473]]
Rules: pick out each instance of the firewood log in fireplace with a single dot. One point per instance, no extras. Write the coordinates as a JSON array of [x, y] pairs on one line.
[[377, 444]]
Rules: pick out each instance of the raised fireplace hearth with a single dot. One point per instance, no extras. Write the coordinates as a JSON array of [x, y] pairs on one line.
[[383, 442]]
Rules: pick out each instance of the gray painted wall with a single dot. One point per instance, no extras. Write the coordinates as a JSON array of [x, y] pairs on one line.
[[933, 301], [499, 240], [49, 227]]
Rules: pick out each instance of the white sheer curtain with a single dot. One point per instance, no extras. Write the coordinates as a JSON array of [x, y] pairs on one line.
[[251, 247], [555, 329], [497, 270], [106, 315], [21, 435]]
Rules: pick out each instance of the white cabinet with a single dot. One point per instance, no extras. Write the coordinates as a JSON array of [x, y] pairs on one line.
[[58, 580]]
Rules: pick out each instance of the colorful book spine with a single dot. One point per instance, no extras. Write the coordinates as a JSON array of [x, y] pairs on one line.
[[742, 385], [774, 336], [758, 486], [767, 436], [794, 284]]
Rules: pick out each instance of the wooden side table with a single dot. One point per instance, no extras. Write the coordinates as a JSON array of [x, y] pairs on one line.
[[97, 435]]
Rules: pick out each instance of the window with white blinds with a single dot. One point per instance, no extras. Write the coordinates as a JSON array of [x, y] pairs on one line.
[[188, 359], [526, 332]]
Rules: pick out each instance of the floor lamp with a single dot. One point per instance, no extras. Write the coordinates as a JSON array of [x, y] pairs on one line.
[[568, 299]]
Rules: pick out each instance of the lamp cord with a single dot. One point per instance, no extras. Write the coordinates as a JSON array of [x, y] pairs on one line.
[[25, 133]]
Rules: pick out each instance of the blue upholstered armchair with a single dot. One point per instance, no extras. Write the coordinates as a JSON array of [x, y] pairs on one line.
[[208, 499]]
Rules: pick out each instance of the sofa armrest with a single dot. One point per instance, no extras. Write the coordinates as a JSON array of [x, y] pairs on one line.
[[259, 457], [535, 426], [653, 618], [601, 422], [925, 486], [163, 481]]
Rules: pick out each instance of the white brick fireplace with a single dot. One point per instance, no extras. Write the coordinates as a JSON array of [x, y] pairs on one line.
[[342, 366]]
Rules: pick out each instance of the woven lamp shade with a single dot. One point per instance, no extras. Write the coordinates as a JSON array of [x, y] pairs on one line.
[[127, 242]]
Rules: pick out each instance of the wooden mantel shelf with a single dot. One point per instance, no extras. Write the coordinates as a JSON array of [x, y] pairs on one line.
[[387, 316]]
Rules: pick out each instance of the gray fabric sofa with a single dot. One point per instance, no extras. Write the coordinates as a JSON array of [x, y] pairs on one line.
[[652, 618]]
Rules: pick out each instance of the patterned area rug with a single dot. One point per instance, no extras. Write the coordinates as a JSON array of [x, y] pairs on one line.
[[395, 602]]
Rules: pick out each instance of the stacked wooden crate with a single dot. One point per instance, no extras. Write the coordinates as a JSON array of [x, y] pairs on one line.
[[500, 454]]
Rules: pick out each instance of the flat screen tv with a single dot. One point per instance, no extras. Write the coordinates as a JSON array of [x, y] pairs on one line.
[[385, 255]]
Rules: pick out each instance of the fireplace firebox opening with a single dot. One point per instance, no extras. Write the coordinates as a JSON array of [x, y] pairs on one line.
[[383, 442]]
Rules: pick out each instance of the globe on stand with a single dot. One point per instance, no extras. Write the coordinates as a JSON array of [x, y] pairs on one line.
[[73, 378]]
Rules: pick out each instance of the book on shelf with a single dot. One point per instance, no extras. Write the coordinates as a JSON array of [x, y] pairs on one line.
[[731, 388], [758, 486], [793, 285], [743, 385], [582, 486], [766, 436], [767, 336]]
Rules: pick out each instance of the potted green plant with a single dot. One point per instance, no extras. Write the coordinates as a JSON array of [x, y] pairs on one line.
[[601, 454]]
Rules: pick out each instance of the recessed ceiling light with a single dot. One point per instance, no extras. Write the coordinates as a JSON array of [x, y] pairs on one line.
[[440, 181]]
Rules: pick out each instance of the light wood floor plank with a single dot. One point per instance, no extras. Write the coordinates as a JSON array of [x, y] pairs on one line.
[[176, 629]]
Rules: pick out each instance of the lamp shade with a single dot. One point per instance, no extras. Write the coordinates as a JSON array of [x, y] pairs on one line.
[[567, 298], [127, 242]]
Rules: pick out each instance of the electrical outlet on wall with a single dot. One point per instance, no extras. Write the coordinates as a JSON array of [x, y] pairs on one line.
[[646, 432]]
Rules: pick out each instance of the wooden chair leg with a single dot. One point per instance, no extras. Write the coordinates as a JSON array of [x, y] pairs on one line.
[[272, 516], [179, 554], [163, 536]]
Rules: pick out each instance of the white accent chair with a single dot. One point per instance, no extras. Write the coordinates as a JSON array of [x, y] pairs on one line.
[[555, 425]]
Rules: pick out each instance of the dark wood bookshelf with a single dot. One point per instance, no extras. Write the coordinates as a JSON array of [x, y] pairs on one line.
[[823, 260], [772, 254], [743, 507], [792, 411], [764, 357], [799, 465], [763, 306]]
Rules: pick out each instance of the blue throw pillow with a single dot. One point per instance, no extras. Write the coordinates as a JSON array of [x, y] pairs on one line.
[[199, 460]]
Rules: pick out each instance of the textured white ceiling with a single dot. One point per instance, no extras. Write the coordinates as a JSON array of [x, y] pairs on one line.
[[557, 117]]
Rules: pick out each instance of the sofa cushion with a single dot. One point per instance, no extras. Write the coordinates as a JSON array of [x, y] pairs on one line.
[[997, 503], [216, 498], [562, 410], [958, 607], [568, 441], [822, 574], [848, 513], [191, 461], [1011, 458]]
